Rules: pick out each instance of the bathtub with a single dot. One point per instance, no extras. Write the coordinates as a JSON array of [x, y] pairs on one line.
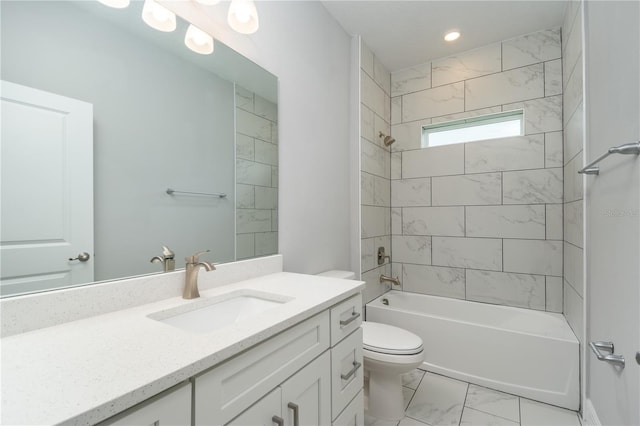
[[519, 351]]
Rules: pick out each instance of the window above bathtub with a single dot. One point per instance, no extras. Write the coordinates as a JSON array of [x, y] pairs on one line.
[[473, 129]]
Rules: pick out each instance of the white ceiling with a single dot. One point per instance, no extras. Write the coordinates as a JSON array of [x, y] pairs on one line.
[[405, 33]]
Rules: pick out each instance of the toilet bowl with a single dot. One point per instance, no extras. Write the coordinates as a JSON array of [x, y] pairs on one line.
[[388, 353]]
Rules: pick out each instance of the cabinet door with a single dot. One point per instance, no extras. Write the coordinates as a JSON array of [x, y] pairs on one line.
[[172, 408], [307, 394], [346, 371], [262, 412]]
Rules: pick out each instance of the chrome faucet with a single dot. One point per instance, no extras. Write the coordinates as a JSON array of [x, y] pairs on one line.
[[191, 278], [394, 281], [167, 259]]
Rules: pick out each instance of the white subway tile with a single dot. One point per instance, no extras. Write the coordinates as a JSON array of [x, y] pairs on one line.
[[573, 182], [374, 159], [366, 58], [266, 152], [371, 94], [573, 95], [411, 192], [376, 221], [434, 102], [436, 281], [396, 221], [366, 124], [366, 188], [409, 80], [447, 221], [381, 75], [396, 165], [554, 294], [531, 48], [266, 243], [373, 287], [434, 161], [265, 109], [381, 191], [532, 186], [476, 253], [274, 133], [513, 153], [266, 198], [572, 50], [251, 125], [503, 88], [574, 311], [573, 267], [245, 196], [274, 176], [396, 110], [540, 115], [245, 246], [533, 257], [573, 223], [368, 255], [553, 150], [553, 78], [248, 221], [554, 221], [252, 173], [244, 99], [411, 249], [520, 290], [472, 63], [479, 189], [245, 147], [274, 220], [408, 136], [467, 114], [506, 221], [573, 134]]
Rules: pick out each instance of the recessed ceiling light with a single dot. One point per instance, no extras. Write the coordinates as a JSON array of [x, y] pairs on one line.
[[452, 35]]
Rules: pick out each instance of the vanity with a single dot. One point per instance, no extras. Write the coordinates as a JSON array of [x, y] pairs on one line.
[[286, 350]]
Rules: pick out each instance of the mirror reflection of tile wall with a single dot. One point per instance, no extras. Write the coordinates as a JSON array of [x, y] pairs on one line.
[[256, 175]]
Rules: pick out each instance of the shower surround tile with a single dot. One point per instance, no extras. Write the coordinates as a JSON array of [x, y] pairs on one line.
[[366, 123], [532, 186], [553, 78], [372, 95], [470, 64], [396, 110], [374, 159], [429, 103], [434, 161], [466, 114], [376, 221], [411, 192], [412, 79], [433, 280], [411, 249], [573, 134], [554, 221], [553, 154], [408, 135], [540, 115], [396, 165], [542, 257], [476, 189], [573, 223], [446, 221], [251, 221], [252, 173], [251, 125], [366, 188], [475, 253], [245, 147], [503, 88], [573, 267], [513, 153], [266, 198], [266, 243], [266, 152], [519, 290], [532, 48], [506, 221], [554, 294], [265, 108]]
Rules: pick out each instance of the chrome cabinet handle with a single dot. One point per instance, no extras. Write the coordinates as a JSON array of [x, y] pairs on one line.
[[607, 346], [82, 257], [296, 413], [352, 318], [278, 420], [351, 372]]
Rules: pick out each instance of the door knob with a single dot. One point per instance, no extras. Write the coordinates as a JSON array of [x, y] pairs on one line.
[[82, 257]]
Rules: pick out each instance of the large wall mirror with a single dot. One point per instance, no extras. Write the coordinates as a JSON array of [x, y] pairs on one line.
[[101, 115]]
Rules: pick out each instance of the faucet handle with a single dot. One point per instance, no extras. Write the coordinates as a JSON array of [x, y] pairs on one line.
[[167, 252], [195, 257]]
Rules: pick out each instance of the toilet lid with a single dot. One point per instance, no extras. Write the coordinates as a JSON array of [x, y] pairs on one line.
[[388, 339]]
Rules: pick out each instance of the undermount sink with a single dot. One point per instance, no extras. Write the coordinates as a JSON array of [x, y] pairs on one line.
[[210, 314]]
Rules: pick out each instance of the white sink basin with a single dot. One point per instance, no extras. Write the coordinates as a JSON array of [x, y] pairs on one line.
[[206, 315]]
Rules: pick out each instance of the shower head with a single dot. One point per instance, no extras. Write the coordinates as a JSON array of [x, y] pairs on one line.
[[388, 140]]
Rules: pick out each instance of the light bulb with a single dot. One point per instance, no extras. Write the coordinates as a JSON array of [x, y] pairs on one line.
[[158, 17], [118, 4], [198, 41], [243, 16], [452, 35], [208, 2]]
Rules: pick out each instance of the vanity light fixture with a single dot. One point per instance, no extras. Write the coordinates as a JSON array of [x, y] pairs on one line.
[[452, 36], [243, 16], [198, 41], [117, 4], [158, 17]]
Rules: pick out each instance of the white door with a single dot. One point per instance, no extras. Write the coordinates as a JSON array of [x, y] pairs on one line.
[[612, 54], [46, 190]]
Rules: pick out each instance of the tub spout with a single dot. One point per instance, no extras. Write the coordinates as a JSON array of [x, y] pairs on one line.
[[394, 281]]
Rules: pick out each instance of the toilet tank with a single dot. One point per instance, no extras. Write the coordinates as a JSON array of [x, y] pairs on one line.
[[346, 275]]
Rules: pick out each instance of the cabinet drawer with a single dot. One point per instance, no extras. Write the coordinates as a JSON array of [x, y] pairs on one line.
[[345, 318], [170, 408], [353, 415], [225, 391], [346, 371]]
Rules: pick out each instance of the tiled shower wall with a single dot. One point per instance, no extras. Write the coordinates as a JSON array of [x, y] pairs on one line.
[[573, 161], [256, 175], [481, 221], [375, 171]]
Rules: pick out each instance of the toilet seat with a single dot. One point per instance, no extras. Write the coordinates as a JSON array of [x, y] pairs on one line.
[[390, 340]]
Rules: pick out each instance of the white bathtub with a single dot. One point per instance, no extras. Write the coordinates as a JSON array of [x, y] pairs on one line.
[[519, 351]]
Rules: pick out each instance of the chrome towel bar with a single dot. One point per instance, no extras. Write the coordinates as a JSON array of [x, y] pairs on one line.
[[628, 148], [219, 195]]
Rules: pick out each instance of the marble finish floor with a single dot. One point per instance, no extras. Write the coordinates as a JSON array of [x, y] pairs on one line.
[[434, 400]]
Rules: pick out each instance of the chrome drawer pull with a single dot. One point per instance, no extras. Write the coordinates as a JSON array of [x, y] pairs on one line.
[[278, 420], [352, 318], [351, 372], [607, 346], [296, 413]]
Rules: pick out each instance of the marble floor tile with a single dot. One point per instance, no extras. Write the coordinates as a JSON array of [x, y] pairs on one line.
[[412, 379], [471, 417], [538, 414], [408, 421], [493, 402], [438, 400], [374, 421], [407, 394]]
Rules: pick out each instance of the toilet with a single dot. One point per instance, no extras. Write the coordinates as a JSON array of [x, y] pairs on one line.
[[388, 353]]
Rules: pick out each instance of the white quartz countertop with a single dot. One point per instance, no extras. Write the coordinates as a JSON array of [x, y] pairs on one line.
[[85, 371]]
